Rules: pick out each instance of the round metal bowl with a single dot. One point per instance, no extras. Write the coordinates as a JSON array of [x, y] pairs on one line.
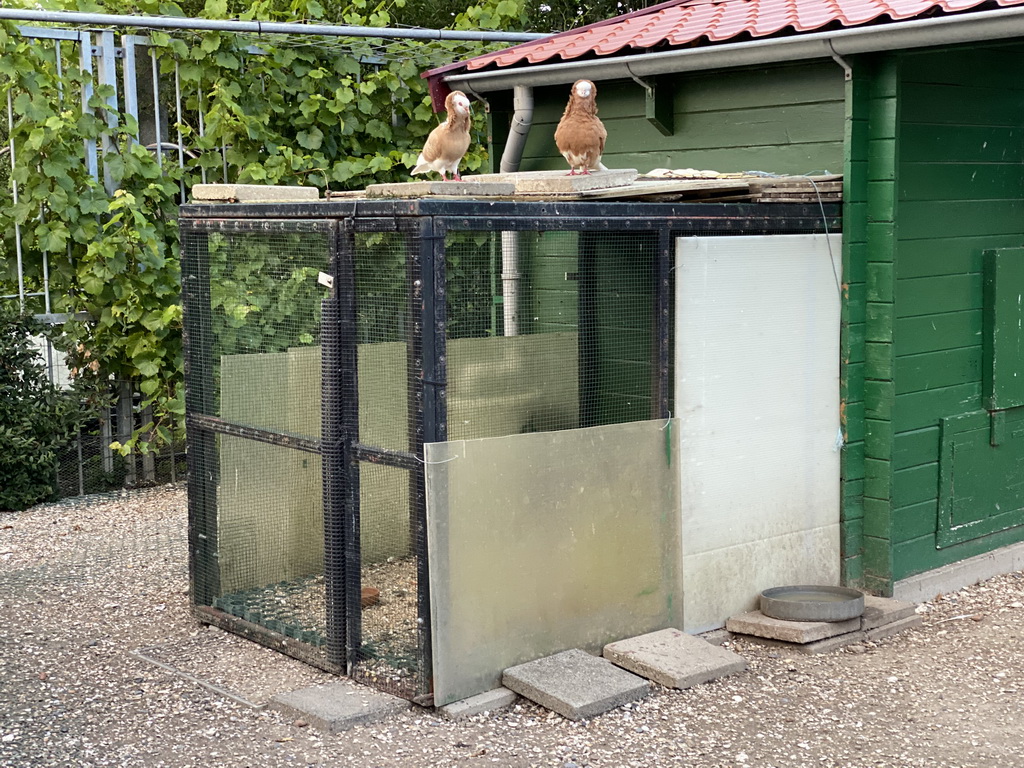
[[811, 603]]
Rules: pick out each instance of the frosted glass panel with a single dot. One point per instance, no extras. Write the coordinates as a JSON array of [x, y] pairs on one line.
[[547, 541]]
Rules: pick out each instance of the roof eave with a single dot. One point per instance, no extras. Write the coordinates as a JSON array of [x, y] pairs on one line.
[[998, 24]]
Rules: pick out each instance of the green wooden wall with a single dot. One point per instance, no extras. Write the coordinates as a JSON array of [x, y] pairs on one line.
[[944, 155], [961, 191], [782, 120], [854, 327]]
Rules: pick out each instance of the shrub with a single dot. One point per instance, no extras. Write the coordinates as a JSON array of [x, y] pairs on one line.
[[35, 417]]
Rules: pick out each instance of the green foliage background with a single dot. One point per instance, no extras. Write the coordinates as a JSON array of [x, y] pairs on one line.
[[314, 113], [35, 418]]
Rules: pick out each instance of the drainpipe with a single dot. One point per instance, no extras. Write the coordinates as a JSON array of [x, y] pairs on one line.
[[522, 119]]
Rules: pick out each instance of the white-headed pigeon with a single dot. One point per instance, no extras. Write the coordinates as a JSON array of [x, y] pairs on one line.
[[447, 143], [580, 135]]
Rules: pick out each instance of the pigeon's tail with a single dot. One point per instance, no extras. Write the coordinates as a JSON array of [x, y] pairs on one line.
[[422, 166]]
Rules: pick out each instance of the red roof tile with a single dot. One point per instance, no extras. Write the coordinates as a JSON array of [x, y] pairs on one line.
[[707, 22]]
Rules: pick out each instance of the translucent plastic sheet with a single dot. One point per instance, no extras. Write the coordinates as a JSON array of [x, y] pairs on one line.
[[547, 541], [757, 394]]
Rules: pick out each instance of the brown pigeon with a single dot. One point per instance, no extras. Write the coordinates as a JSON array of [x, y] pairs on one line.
[[580, 135], [447, 143]]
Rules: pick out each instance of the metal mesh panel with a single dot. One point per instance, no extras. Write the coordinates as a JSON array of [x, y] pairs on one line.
[[549, 330], [383, 333], [386, 644], [264, 327], [253, 374], [391, 652], [270, 537]]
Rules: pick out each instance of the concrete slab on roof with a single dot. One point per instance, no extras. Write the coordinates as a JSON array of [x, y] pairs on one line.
[[253, 193], [464, 188], [560, 182], [508, 184]]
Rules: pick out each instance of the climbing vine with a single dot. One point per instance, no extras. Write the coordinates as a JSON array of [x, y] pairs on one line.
[[328, 113]]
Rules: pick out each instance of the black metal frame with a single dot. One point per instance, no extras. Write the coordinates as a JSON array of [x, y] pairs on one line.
[[425, 223]]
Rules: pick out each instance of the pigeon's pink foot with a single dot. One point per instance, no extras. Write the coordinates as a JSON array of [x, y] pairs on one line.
[[457, 177], [585, 172], [572, 172]]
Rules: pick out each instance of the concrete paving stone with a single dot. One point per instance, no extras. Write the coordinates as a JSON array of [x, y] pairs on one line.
[[757, 624], [575, 684], [673, 658], [716, 636], [252, 193], [879, 611], [337, 706], [488, 701], [825, 645], [895, 627]]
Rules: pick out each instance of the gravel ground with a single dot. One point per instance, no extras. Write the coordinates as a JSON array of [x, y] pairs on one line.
[[101, 664]]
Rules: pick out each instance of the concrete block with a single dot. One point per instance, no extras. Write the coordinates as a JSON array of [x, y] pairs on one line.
[[488, 701], [879, 611], [674, 659], [575, 684], [895, 627], [337, 706], [252, 193], [468, 187], [825, 645], [716, 636], [757, 624]]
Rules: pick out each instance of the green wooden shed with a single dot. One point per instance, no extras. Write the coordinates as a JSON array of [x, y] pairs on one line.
[[920, 105]]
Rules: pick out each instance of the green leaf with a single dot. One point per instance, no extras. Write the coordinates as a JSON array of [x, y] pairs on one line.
[[211, 42], [507, 8], [311, 139], [227, 60], [147, 368], [215, 9]]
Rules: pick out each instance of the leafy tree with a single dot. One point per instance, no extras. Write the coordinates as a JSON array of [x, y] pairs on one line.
[[35, 418]]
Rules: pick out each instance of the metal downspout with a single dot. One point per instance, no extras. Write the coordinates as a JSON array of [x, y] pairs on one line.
[[522, 119]]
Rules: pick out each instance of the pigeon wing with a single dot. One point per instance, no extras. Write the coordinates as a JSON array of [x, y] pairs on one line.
[[431, 154]]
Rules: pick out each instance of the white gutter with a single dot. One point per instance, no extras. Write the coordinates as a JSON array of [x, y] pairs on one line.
[[998, 24]]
